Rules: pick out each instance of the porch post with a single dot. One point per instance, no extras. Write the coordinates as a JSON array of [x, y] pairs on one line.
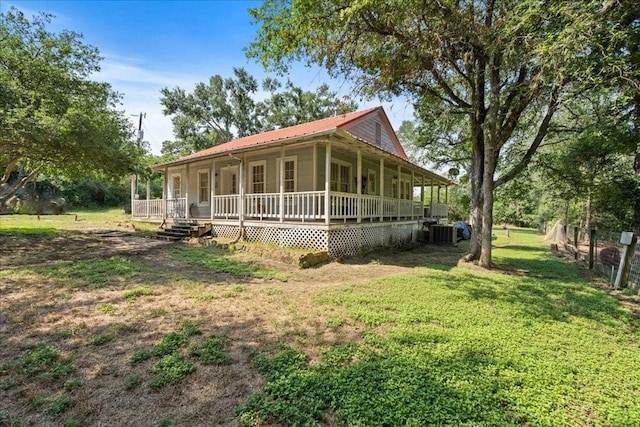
[[359, 185], [422, 195], [315, 167], [438, 192], [148, 194], [212, 180], [431, 199], [381, 189], [327, 184], [398, 185], [165, 192], [241, 192], [282, 183], [133, 193], [413, 176], [446, 194], [186, 193]]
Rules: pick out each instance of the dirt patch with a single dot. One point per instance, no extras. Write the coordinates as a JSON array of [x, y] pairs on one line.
[[93, 325]]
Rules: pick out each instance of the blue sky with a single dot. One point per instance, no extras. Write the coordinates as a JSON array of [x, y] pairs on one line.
[[148, 45]]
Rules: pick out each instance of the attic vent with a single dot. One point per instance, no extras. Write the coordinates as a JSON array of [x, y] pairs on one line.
[[378, 134]]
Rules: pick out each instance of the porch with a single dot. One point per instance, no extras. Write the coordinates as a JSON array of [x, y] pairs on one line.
[[302, 206]]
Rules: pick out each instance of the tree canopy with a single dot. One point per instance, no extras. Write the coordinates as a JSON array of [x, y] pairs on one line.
[[53, 117], [228, 108], [492, 73]]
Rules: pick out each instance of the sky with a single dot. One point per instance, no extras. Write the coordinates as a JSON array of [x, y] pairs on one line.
[[149, 45]]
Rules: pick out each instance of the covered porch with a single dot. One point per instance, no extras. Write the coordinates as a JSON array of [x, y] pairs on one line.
[[323, 181]]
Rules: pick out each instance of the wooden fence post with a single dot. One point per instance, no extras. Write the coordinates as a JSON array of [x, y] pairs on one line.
[[576, 255], [592, 243]]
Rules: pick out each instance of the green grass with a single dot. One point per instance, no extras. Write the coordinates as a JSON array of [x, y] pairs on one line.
[[170, 369], [133, 294], [221, 262], [536, 346], [29, 224], [96, 273], [209, 351]]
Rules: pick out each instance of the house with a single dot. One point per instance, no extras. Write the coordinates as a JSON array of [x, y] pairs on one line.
[[341, 184]]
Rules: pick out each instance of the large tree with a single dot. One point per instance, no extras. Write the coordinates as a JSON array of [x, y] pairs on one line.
[[53, 117], [228, 108], [500, 67]]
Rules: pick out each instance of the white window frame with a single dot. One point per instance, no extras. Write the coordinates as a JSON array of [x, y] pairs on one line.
[[173, 187], [206, 193], [262, 163], [293, 159], [339, 182]]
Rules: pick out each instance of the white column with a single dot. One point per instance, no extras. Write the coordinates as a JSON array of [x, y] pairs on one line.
[[431, 199], [327, 184], [241, 191], [165, 192], [212, 180], [381, 189], [359, 185], [133, 194], [186, 193], [411, 195], [148, 194], [315, 167], [282, 183], [422, 195], [398, 184]]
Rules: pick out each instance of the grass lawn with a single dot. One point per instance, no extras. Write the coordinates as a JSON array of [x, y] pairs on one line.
[[184, 335]]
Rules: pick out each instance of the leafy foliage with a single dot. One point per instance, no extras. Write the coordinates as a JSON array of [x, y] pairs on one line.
[[55, 119], [465, 347], [226, 108]]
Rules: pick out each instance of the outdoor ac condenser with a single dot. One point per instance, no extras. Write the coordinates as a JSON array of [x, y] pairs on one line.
[[442, 234]]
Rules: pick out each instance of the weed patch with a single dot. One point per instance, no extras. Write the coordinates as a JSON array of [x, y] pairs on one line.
[[222, 263], [97, 273], [209, 351], [170, 369], [132, 294]]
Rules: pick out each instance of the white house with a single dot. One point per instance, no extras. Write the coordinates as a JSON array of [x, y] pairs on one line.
[[341, 185]]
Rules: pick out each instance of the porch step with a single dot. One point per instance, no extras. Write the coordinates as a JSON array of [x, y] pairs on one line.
[[179, 230]]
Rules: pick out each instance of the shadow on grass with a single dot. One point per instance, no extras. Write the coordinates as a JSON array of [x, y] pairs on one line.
[[407, 384]]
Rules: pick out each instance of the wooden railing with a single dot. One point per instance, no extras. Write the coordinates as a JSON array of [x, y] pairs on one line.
[[226, 206], [299, 206]]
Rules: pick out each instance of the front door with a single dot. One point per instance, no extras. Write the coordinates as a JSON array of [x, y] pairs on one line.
[[229, 180]]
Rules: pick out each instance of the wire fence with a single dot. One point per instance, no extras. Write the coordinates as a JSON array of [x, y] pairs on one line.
[[599, 250]]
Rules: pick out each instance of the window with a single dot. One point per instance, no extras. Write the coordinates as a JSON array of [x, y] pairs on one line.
[[176, 191], [234, 184], [203, 187], [290, 173], [340, 176], [258, 176], [394, 188], [371, 182]]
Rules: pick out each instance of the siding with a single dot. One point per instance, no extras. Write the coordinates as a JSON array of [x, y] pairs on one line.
[[366, 130]]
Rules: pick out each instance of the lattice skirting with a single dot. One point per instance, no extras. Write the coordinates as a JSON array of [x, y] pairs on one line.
[[337, 242], [351, 241]]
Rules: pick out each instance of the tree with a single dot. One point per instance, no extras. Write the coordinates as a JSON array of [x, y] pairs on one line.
[[226, 108], [498, 69], [54, 118]]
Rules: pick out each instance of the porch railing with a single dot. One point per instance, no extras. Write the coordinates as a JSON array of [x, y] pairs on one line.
[[226, 206], [300, 206]]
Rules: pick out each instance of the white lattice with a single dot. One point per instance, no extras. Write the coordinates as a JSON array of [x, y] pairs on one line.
[[226, 231], [351, 241], [337, 242]]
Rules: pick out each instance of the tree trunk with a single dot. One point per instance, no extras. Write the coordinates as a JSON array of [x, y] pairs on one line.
[[475, 216], [588, 213], [487, 206]]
